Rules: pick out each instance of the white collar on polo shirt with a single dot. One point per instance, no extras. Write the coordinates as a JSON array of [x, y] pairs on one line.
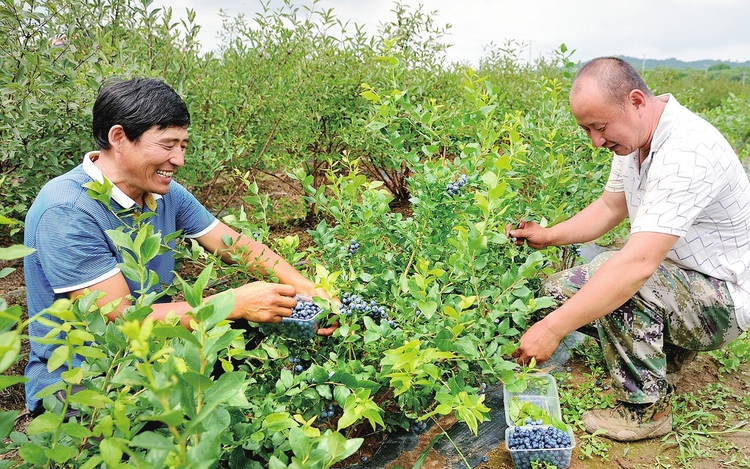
[[120, 197]]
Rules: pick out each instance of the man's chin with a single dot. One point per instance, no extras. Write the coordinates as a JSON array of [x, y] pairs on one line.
[[620, 151]]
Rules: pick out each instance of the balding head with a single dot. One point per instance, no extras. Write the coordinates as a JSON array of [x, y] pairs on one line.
[[615, 77]]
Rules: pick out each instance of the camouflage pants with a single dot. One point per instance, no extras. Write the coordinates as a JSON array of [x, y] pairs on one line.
[[674, 310]]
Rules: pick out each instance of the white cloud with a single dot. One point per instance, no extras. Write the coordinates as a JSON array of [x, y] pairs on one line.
[[654, 29]]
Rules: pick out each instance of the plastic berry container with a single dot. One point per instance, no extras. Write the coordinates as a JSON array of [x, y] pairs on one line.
[[522, 458], [542, 393], [292, 327]]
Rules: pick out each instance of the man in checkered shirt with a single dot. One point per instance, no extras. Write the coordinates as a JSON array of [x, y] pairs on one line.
[[681, 282]]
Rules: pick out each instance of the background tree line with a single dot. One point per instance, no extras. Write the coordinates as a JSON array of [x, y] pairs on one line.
[[285, 89]]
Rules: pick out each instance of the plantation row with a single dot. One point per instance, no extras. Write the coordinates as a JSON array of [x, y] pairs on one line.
[[358, 122]]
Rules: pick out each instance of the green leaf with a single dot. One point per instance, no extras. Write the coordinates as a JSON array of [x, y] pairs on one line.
[[223, 304], [423, 456], [337, 447], [92, 463], [174, 417], [33, 454], [60, 454], [225, 387], [300, 443], [76, 430], [91, 398], [7, 419], [340, 394], [197, 380], [16, 251], [10, 348], [153, 441], [444, 340], [58, 357], [121, 240], [175, 332], [111, 451], [46, 422]]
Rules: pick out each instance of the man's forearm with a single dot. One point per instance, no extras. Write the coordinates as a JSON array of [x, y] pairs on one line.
[[616, 281], [266, 261], [587, 225]]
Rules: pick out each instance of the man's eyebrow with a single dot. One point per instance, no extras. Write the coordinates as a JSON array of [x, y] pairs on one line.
[[175, 139]]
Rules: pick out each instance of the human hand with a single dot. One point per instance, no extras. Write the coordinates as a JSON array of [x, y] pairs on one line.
[[322, 293], [263, 302], [326, 331], [538, 342], [530, 232]]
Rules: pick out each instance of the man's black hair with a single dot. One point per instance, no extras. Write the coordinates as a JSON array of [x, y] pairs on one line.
[[137, 105]]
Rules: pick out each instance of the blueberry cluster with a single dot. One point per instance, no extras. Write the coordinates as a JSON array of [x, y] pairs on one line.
[[352, 248], [577, 249], [300, 325], [537, 442], [482, 389], [453, 187], [305, 309], [601, 385], [298, 367], [419, 427], [327, 412], [351, 304]]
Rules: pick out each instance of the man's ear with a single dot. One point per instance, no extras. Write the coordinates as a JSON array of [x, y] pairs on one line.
[[637, 99], [116, 137]]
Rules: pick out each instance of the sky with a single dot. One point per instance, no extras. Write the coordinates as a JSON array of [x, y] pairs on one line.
[[687, 30]]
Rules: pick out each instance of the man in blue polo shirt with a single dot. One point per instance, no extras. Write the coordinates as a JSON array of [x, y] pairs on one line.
[[140, 127]]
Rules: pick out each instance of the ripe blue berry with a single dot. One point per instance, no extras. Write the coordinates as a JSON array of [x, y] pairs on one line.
[[419, 427], [352, 248], [301, 324], [454, 187], [353, 305], [539, 443]]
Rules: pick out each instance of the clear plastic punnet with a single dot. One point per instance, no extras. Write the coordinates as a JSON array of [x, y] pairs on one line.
[[294, 327], [534, 421]]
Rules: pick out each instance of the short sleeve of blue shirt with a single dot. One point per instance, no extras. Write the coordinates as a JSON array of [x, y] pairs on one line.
[[74, 250]]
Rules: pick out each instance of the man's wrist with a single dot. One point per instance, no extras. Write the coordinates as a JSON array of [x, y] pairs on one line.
[[555, 325]]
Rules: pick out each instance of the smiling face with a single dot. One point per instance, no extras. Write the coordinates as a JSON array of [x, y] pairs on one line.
[[615, 126], [148, 164]]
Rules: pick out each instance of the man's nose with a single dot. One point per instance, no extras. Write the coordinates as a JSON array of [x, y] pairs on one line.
[[597, 140], [177, 157]]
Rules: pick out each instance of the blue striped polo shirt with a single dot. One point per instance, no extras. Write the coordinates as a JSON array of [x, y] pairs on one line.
[[68, 230]]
